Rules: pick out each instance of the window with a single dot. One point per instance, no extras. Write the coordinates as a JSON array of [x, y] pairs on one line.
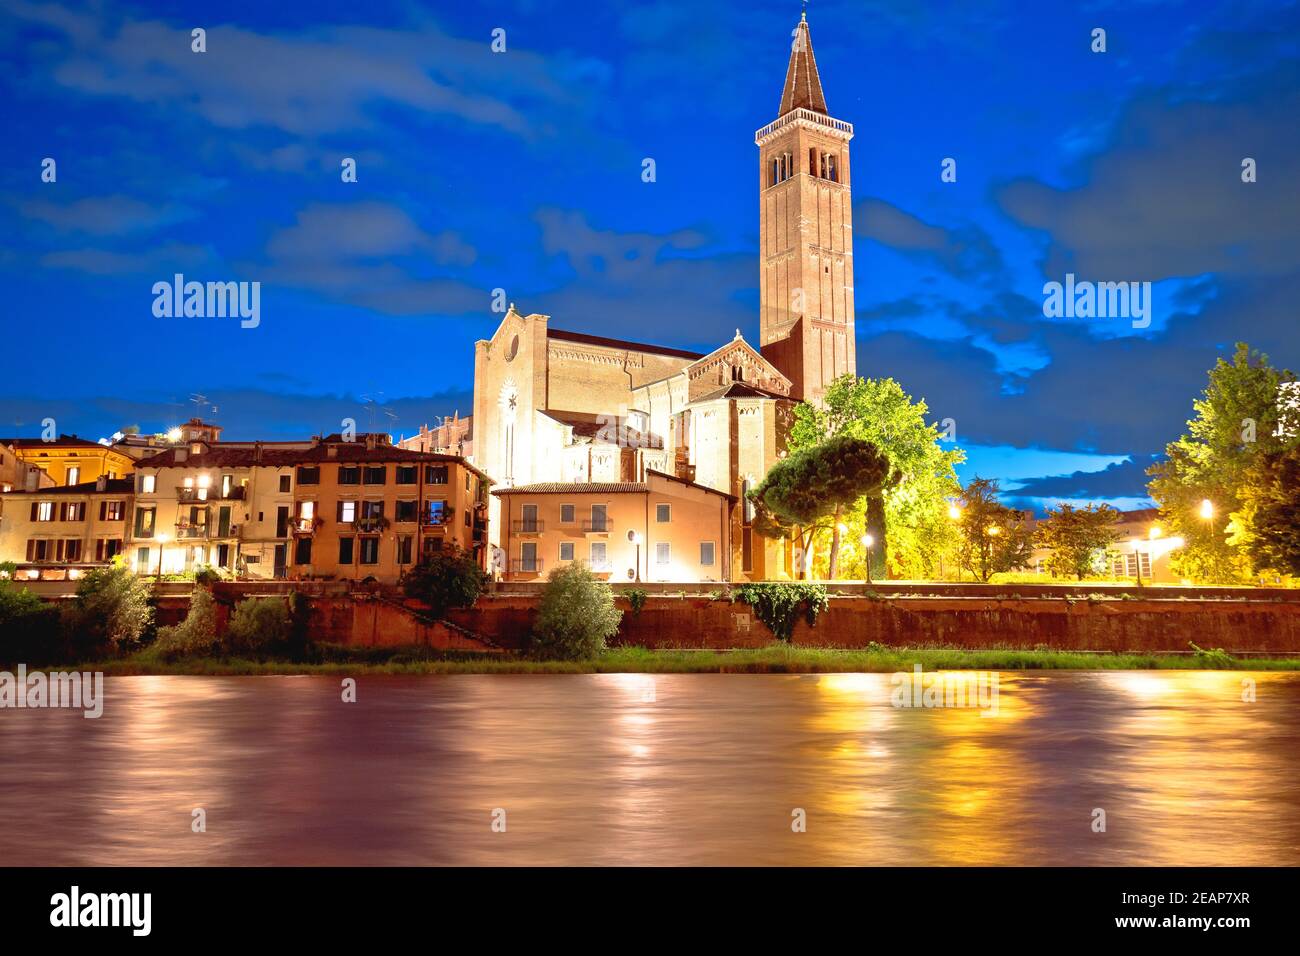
[[435, 474], [347, 512], [404, 548], [566, 514], [812, 160], [349, 475], [369, 550], [74, 475], [599, 556], [529, 522], [663, 554], [372, 509], [747, 549], [148, 483], [376, 475], [306, 476], [76, 511], [407, 474], [566, 550], [598, 519], [106, 549], [72, 550], [144, 521], [112, 510], [345, 550], [528, 557], [42, 510], [830, 168], [407, 511], [302, 551], [142, 560], [39, 549], [706, 553], [437, 512], [663, 513], [286, 482]]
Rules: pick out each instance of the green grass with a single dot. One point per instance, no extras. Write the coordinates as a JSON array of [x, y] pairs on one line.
[[773, 659]]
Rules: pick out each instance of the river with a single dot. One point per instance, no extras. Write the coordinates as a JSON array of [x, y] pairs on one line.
[[658, 769]]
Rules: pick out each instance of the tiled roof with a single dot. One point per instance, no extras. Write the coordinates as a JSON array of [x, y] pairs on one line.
[[619, 344], [691, 484], [803, 87], [217, 456], [114, 486], [586, 425], [63, 441], [739, 390], [576, 488]]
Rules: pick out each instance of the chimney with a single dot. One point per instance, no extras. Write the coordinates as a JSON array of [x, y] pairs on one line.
[[332, 450], [257, 452], [101, 483], [370, 441], [31, 483], [180, 455]]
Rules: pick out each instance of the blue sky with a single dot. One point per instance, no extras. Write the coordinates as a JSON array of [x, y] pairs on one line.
[[522, 170]]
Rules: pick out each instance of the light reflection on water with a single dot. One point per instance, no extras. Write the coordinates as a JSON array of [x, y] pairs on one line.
[[663, 769]]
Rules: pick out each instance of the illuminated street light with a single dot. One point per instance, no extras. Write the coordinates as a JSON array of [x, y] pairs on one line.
[[867, 542], [994, 531], [1207, 509], [954, 512], [173, 435], [1155, 532], [162, 540]]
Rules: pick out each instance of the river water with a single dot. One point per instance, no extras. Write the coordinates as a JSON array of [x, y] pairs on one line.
[[658, 769]]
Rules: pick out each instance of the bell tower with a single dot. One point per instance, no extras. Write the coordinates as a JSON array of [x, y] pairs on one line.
[[806, 232]]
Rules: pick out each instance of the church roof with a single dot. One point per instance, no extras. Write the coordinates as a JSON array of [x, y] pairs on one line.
[[803, 87], [586, 339], [739, 390], [598, 427]]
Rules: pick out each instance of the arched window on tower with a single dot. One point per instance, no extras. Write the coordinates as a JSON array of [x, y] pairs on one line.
[[830, 165], [812, 161]]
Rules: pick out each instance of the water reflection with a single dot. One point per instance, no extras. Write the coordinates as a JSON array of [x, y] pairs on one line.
[[663, 769]]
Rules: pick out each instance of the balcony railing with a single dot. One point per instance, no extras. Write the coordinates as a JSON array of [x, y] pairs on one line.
[[438, 520], [372, 523], [526, 565], [191, 531], [528, 526], [597, 525], [191, 495]]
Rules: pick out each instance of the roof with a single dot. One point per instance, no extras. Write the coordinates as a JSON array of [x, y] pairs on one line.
[[217, 456], [587, 425], [604, 487], [114, 486], [740, 390], [63, 441], [803, 87], [586, 339], [577, 488], [1139, 514]]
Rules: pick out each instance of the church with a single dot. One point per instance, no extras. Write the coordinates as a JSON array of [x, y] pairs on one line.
[[636, 457]]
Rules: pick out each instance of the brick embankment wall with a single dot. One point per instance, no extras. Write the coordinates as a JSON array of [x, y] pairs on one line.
[[1130, 625]]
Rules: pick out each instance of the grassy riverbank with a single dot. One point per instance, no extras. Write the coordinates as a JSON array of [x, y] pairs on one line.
[[773, 659]]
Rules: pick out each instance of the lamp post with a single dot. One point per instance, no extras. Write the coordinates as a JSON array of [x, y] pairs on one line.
[[635, 538], [162, 540], [954, 513], [867, 542]]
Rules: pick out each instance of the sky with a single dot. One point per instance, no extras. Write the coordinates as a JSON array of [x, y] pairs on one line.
[[522, 171]]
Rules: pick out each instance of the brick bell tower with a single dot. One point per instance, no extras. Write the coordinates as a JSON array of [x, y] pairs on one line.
[[806, 225]]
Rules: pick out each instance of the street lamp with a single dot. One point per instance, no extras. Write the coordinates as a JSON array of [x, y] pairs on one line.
[[867, 542], [954, 512], [1207, 509], [162, 539], [635, 538]]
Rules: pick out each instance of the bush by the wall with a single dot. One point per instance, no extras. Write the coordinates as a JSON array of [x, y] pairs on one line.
[[196, 636], [778, 604], [30, 629], [576, 614], [111, 613], [258, 626]]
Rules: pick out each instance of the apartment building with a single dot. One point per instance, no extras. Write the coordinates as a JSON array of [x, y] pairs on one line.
[[58, 532], [17, 474], [662, 529], [327, 508], [67, 460]]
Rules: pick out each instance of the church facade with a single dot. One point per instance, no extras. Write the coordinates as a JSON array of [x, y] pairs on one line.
[[639, 429]]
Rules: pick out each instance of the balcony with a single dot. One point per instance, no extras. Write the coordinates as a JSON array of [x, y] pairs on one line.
[[185, 531], [371, 524], [526, 566], [436, 520], [188, 496], [597, 526], [527, 526], [302, 527]]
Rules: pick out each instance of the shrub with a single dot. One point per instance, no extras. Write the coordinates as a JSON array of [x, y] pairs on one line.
[[30, 630], [112, 611], [446, 579], [258, 626], [1216, 659], [196, 636], [778, 605], [206, 575], [636, 597], [576, 616]]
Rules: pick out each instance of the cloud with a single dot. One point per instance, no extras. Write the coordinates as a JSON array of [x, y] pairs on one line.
[[105, 215], [966, 252]]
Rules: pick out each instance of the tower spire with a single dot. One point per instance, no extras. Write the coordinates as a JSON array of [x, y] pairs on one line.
[[803, 86]]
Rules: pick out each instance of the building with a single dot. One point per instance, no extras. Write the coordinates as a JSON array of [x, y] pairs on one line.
[[1141, 550], [663, 528], [327, 508], [558, 406], [58, 532], [17, 473], [67, 460]]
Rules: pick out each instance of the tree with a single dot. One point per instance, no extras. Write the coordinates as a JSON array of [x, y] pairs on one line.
[[29, 627], [446, 579], [907, 517], [258, 625], [994, 538], [1075, 536], [112, 611], [1236, 423], [576, 615], [1271, 502], [819, 483]]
